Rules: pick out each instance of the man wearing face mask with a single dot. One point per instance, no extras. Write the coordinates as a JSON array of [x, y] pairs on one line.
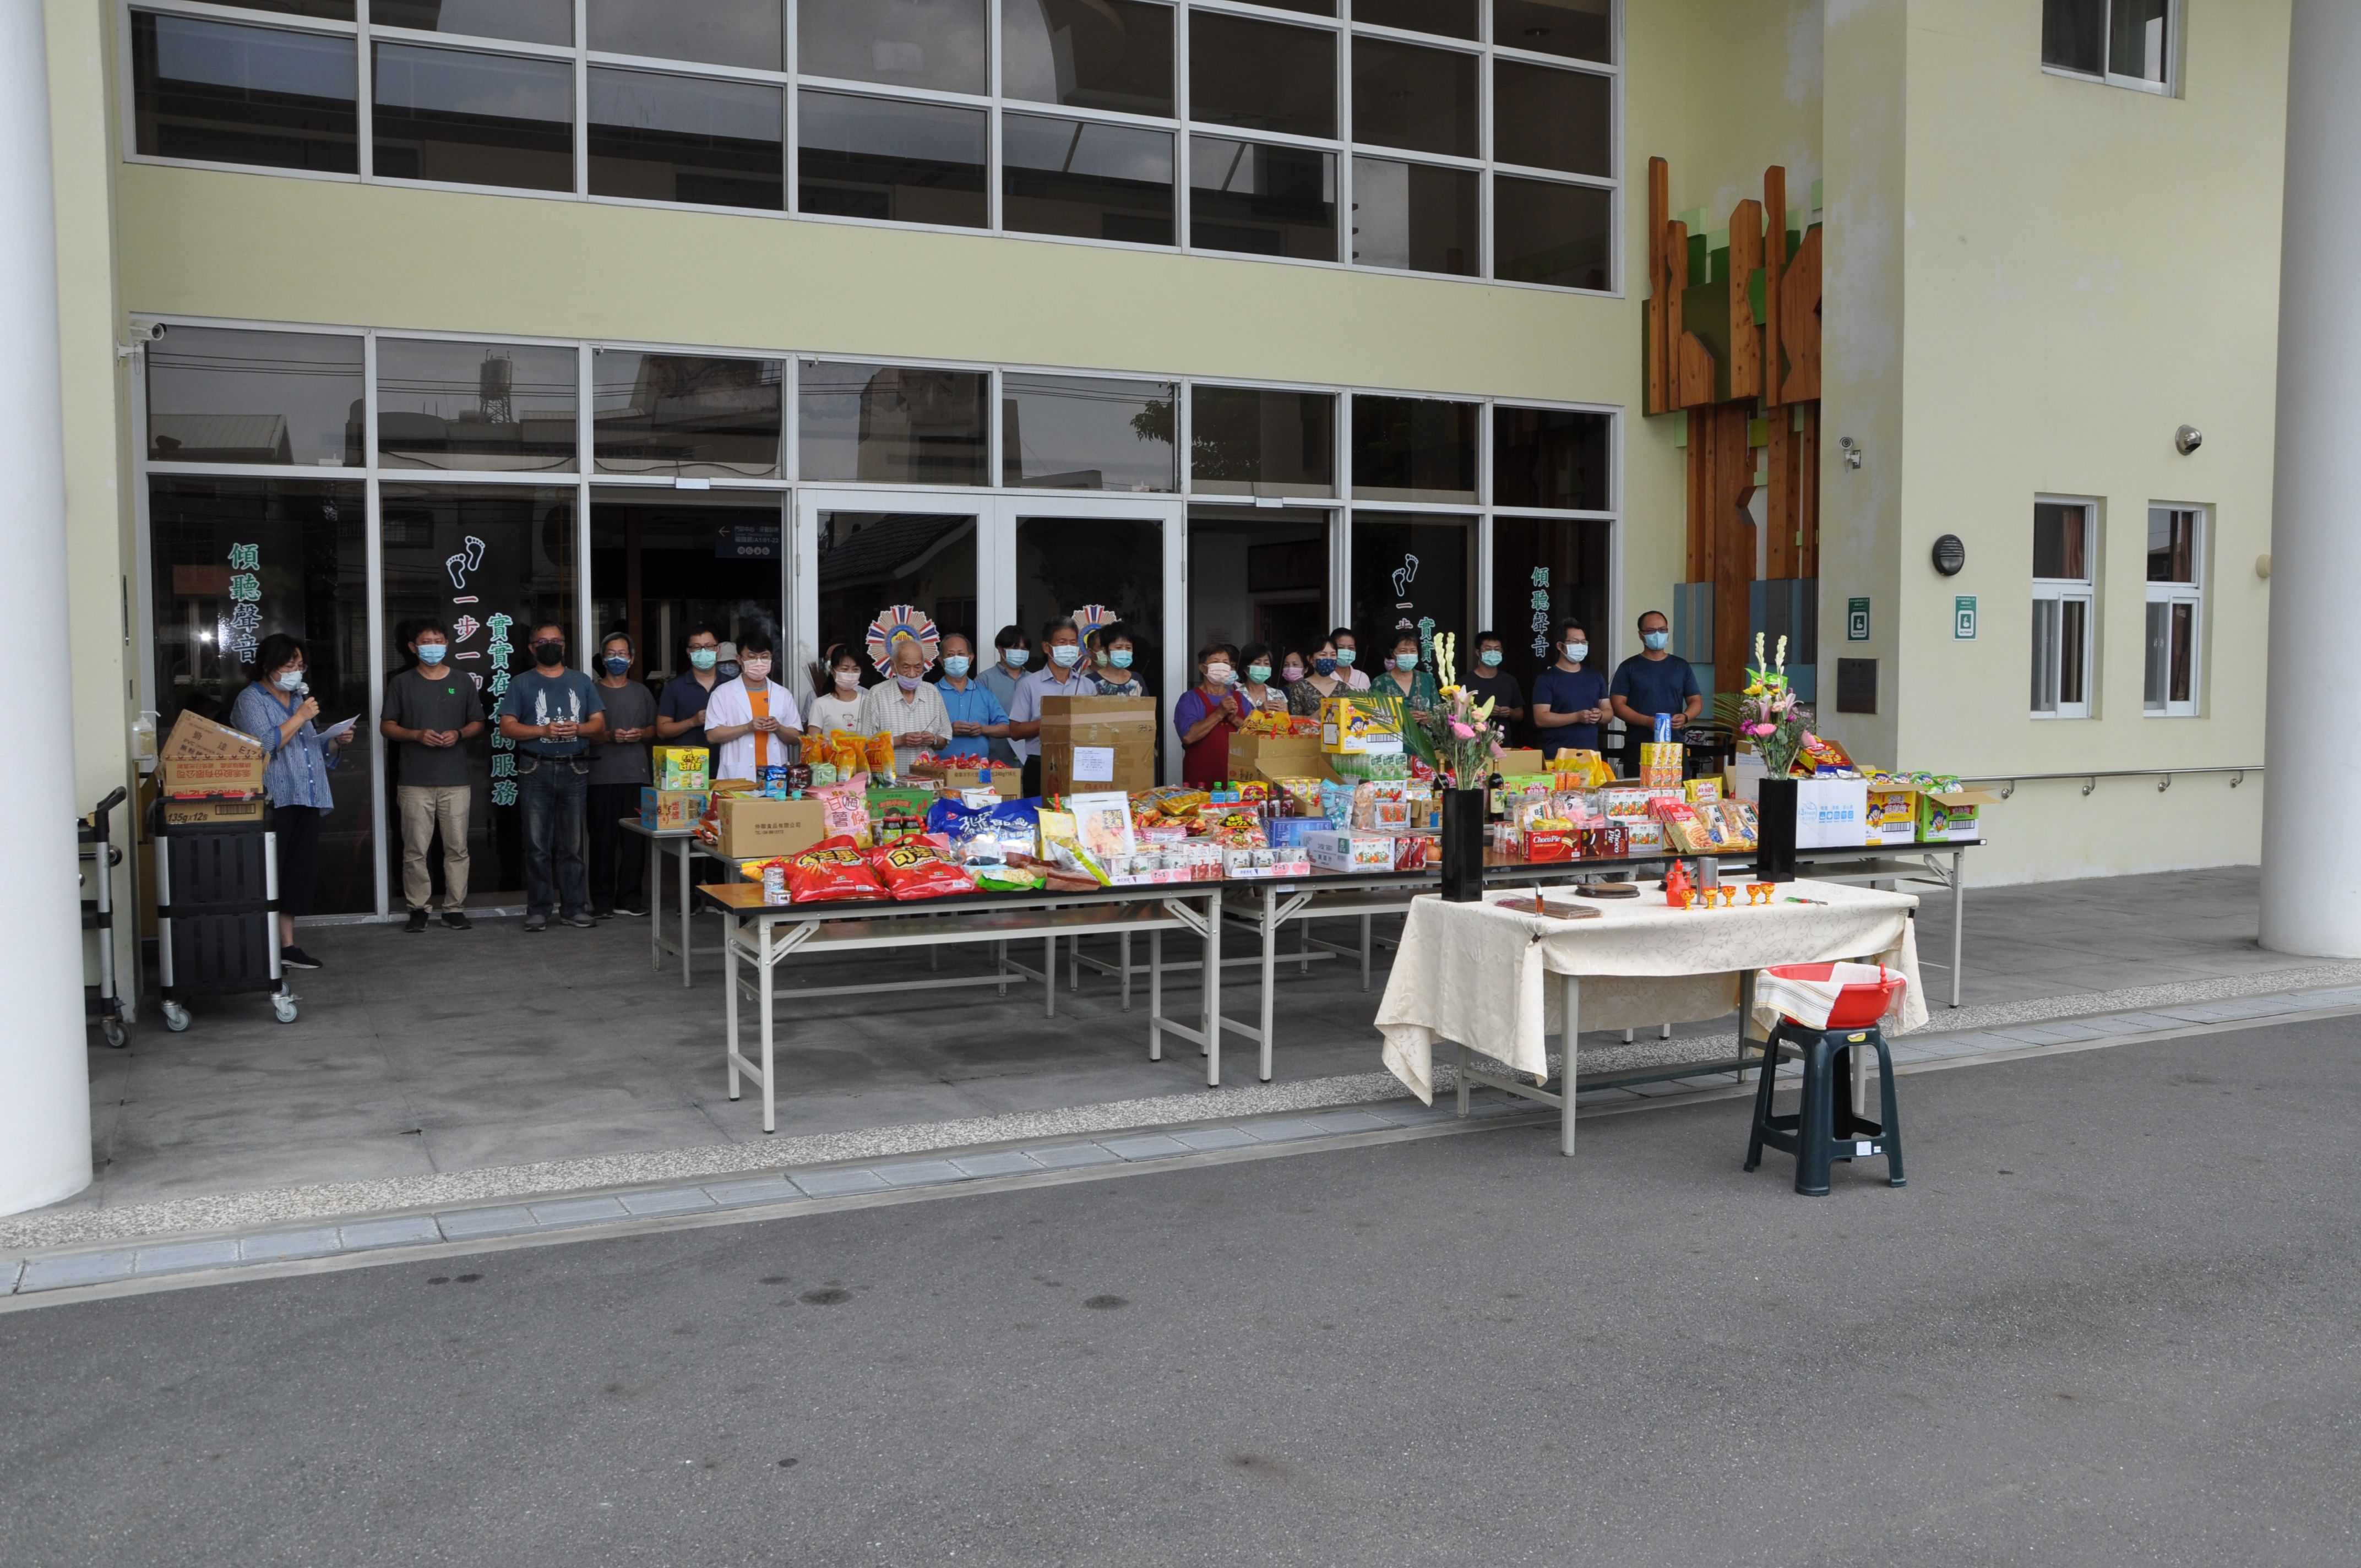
[[977, 719], [1654, 681], [1569, 697], [430, 710], [752, 722], [907, 708], [1011, 655], [618, 771], [554, 714], [680, 712], [1060, 677], [1488, 679]]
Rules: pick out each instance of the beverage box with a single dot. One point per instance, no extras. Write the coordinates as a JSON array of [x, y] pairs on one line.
[[1831, 812], [1352, 725], [682, 767], [672, 810], [1344, 851], [1952, 815], [214, 812], [1891, 813], [201, 758]]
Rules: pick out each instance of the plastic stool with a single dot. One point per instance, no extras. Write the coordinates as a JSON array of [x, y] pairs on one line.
[[1826, 1128]]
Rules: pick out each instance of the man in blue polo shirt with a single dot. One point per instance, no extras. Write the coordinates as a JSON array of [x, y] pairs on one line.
[[1569, 699], [977, 718], [1654, 681]]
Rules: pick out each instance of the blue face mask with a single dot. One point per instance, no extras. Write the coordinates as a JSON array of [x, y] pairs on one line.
[[1405, 662], [1324, 666], [729, 671], [1067, 655], [702, 658], [1120, 658], [432, 652], [289, 679], [1017, 657], [1490, 658], [1344, 658], [618, 664], [1655, 639], [955, 666]]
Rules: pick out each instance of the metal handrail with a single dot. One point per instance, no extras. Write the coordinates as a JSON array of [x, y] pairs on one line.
[[2091, 778]]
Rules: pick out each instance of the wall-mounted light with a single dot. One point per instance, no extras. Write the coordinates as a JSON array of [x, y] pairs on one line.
[[2188, 439], [1851, 449], [1950, 555]]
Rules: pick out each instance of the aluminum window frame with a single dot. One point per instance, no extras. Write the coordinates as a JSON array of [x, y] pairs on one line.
[[2191, 593], [2061, 592], [2175, 37]]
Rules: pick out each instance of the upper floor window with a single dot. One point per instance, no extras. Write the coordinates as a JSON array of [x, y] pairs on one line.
[[2176, 606], [2126, 42], [2064, 603]]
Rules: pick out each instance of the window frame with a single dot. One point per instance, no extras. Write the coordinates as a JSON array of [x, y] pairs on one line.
[[2063, 591], [2175, 13], [2192, 594]]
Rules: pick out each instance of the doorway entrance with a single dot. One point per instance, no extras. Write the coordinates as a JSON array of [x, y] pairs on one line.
[[664, 563], [1261, 574]]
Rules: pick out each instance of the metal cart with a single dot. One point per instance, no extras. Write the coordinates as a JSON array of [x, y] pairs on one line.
[[217, 913], [102, 1003]]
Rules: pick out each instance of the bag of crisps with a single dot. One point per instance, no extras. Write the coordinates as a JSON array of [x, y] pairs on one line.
[[878, 749], [831, 870], [915, 868]]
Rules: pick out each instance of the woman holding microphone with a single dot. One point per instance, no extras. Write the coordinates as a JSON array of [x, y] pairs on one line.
[[276, 708]]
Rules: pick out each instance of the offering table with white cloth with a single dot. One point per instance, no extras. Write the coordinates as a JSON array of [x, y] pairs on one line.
[[1495, 980]]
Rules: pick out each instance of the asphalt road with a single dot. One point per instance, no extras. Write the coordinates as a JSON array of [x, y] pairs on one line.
[[2113, 1319]]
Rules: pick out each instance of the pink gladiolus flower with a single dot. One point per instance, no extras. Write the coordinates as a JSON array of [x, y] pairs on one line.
[[1758, 729], [1462, 731]]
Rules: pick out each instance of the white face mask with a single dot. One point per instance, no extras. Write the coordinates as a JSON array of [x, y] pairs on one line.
[[1218, 675], [757, 669], [1575, 652], [848, 679]]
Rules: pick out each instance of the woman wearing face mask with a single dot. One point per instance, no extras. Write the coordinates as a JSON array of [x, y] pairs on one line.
[[1261, 668], [751, 721], [1325, 679], [1012, 656], [1347, 651], [837, 704], [1405, 678], [1292, 667], [1206, 714], [276, 708], [1569, 697], [1119, 676], [618, 771]]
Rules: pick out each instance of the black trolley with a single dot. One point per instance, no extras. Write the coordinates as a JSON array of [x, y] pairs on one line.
[[217, 913], [102, 1002]]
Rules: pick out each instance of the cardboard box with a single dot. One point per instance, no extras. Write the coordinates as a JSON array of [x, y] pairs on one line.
[[1518, 759], [1006, 779], [213, 813], [1352, 725], [1339, 852], [1891, 816], [1831, 812], [1954, 814], [202, 758], [1271, 758], [755, 827], [682, 767], [672, 810], [1096, 743], [1660, 764]]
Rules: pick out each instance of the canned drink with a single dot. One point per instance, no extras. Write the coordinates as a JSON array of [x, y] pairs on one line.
[[774, 884]]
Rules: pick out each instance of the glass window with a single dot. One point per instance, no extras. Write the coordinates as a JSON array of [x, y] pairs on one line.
[[1545, 569], [489, 562], [332, 10], [474, 405], [905, 43], [1065, 563], [1413, 449], [222, 94], [2060, 530], [1246, 440], [1262, 75], [2063, 609], [1546, 232], [2127, 41], [1413, 573], [719, 32], [2171, 545], [1088, 54], [1081, 177], [526, 21], [238, 559], [2074, 35], [1307, 7], [1074, 432], [873, 157], [219, 395], [1550, 458], [1553, 119], [1259, 575], [662, 563], [1264, 200], [871, 560], [685, 413], [1577, 29], [473, 120], [1416, 216], [687, 138], [2137, 34], [1421, 99], [892, 423], [2175, 608], [1451, 18]]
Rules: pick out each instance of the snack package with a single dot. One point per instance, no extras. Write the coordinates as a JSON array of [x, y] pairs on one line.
[[815, 749], [879, 753], [1822, 755], [848, 751], [844, 810], [831, 870], [1337, 803], [915, 868]]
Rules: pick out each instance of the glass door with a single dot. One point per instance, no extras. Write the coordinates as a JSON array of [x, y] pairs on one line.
[[664, 563], [1413, 574], [860, 554]]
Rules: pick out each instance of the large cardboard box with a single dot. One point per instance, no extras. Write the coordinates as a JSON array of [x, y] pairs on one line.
[[1005, 779], [672, 810], [1275, 757], [202, 758], [1952, 815], [756, 827], [1831, 812], [1518, 759], [682, 767], [214, 812], [1091, 744], [1891, 814]]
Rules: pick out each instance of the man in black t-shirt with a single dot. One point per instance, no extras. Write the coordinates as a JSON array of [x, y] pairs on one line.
[[431, 712], [1488, 679]]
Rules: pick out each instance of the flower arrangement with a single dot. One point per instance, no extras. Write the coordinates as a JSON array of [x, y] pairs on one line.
[[1768, 714], [1464, 737]]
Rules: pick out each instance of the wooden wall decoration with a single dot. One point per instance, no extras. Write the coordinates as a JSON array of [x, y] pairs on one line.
[[1731, 339]]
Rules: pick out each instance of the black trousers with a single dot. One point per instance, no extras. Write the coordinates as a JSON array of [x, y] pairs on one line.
[[618, 861], [1032, 777]]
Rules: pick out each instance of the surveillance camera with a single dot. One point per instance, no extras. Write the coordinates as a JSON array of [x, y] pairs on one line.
[[146, 332], [2188, 439]]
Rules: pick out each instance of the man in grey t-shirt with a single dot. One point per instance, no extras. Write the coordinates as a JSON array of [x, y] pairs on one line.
[[619, 769], [431, 712]]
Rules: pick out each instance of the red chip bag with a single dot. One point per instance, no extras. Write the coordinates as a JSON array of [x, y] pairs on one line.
[[914, 868], [830, 871]]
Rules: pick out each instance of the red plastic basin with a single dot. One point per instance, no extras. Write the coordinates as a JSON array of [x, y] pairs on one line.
[[1857, 1005]]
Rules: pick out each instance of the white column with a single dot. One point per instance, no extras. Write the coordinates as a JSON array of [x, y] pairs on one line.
[[44, 1078], [2311, 899]]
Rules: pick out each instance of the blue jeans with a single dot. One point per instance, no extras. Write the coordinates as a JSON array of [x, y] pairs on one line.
[[552, 794]]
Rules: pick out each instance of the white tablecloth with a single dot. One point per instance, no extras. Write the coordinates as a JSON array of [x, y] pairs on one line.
[[1473, 973]]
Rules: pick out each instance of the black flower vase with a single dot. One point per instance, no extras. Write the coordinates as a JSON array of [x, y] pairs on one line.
[[1774, 831], [1463, 845]]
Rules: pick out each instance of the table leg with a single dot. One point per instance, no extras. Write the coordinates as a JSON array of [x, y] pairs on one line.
[[1213, 987], [1049, 977], [1572, 1023], [655, 904], [769, 1069], [1463, 1081], [1154, 996], [1124, 953], [1074, 962], [1959, 913], [1270, 967], [1364, 952], [688, 924], [1000, 965], [1745, 1019], [935, 957], [729, 994]]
